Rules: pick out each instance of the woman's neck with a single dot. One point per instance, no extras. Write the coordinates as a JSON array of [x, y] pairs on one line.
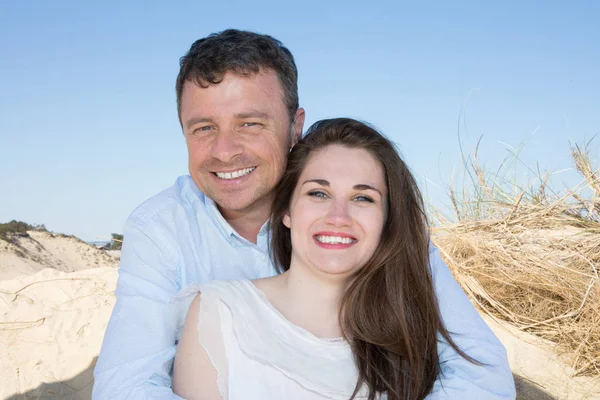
[[308, 301]]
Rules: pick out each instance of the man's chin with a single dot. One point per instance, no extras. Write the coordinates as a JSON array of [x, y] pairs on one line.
[[232, 205], [235, 200], [241, 203]]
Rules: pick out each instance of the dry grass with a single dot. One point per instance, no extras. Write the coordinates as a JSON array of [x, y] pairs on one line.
[[532, 256]]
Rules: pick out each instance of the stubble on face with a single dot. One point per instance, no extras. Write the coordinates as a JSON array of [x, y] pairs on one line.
[[257, 194], [232, 138]]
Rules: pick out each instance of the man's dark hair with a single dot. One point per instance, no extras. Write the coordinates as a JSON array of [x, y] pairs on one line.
[[243, 53]]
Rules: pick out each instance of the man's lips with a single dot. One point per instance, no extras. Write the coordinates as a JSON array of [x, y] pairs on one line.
[[234, 174]]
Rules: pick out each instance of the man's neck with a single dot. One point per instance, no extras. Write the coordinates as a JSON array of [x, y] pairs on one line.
[[248, 222]]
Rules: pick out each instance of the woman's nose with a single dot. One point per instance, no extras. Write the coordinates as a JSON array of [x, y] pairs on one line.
[[338, 214]]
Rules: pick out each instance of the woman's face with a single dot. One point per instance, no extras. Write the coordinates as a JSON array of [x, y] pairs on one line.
[[337, 211]]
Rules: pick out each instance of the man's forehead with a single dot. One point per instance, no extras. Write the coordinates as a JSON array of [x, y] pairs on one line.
[[205, 82], [255, 97]]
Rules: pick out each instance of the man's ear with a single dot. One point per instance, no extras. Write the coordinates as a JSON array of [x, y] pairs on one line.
[[297, 126], [286, 220]]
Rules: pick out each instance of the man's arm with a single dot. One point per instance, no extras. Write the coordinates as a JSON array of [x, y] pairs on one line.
[[461, 379], [139, 343]]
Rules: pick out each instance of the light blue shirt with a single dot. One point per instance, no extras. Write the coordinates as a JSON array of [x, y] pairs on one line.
[[178, 238]]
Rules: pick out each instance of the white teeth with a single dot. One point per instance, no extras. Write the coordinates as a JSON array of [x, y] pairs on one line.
[[235, 174], [334, 239]]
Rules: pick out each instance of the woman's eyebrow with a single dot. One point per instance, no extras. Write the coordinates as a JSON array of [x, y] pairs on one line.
[[321, 182], [364, 186], [360, 186]]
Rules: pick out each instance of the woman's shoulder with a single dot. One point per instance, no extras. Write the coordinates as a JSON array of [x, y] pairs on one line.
[[230, 293], [221, 288]]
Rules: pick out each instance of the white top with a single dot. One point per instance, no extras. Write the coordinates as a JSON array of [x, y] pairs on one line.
[[259, 354]]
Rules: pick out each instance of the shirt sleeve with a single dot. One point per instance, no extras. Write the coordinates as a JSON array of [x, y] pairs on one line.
[[210, 331], [459, 378], [137, 353]]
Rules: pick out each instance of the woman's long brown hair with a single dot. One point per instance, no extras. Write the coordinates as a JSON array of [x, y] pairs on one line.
[[389, 312]]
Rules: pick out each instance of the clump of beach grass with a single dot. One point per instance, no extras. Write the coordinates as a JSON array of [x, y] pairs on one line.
[[531, 256]]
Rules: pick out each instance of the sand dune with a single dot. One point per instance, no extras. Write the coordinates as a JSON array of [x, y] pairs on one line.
[[27, 253]]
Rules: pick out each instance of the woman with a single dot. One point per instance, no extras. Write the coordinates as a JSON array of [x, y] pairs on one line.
[[353, 312]]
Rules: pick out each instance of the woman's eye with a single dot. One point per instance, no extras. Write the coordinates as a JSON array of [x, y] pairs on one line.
[[318, 194], [364, 198]]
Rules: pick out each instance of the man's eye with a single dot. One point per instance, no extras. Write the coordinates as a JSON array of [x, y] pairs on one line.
[[364, 198], [318, 194], [249, 124], [201, 129]]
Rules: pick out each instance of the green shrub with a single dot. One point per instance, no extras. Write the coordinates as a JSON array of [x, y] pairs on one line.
[[117, 241], [20, 227]]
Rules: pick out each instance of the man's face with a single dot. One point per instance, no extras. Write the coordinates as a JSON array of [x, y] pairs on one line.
[[238, 135]]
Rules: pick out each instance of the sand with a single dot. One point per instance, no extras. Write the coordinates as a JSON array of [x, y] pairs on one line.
[[51, 332], [541, 373]]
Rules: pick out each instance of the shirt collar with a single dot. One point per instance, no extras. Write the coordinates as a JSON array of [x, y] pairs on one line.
[[217, 218], [227, 230]]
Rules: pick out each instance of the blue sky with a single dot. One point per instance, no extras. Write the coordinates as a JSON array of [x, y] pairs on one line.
[[88, 122]]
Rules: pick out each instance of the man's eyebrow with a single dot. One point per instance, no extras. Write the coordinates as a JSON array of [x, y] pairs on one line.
[[252, 114], [196, 120], [364, 186]]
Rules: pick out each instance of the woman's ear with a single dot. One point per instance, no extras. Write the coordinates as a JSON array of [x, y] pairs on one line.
[[286, 220]]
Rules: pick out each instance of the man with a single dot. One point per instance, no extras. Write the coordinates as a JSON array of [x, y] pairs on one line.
[[237, 100]]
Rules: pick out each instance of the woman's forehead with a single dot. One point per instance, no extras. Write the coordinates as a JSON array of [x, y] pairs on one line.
[[342, 164]]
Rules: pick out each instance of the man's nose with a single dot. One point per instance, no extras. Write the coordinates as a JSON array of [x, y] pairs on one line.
[[226, 145], [338, 214]]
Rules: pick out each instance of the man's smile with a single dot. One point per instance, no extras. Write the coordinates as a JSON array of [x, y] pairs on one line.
[[234, 174]]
